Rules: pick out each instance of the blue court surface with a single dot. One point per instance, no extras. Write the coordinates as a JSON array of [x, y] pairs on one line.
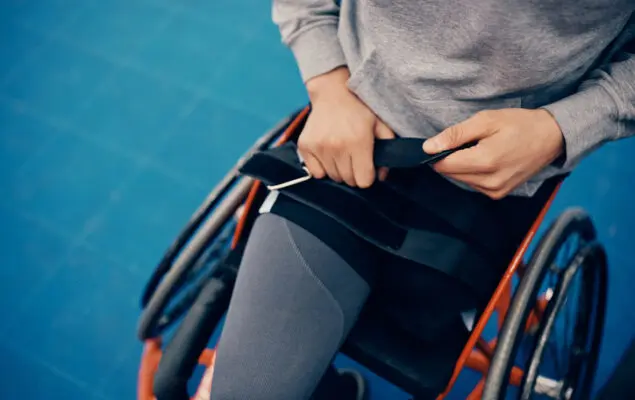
[[116, 119]]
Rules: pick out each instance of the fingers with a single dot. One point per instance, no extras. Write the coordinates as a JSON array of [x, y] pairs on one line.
[[344, 154], [312, 154], [382, 173], [476, 166], [363, 167], [480, 167], [474, 160], [314, 166], [330, 166], [472, 129], [362, 157], [382, 131], [344, 166]]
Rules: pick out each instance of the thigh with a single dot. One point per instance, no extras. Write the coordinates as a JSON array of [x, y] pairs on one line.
[[293, 305]]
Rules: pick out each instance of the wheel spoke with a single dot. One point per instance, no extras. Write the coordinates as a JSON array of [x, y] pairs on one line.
[[586, 314], [197, 277], [212, 255], [566, 333], [569, 303]]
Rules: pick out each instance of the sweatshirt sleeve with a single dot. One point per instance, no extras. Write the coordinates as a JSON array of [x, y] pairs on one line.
[[601, 110], [309, 29]]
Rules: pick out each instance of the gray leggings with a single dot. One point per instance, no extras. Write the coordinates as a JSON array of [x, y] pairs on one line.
[[294, 303]]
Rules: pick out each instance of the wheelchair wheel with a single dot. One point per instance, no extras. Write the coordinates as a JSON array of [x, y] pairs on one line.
[[213, 262], [554, 325], [202, 247], [211, 203]]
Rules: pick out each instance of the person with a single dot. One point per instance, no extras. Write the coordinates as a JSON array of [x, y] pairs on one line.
[[538, 85]]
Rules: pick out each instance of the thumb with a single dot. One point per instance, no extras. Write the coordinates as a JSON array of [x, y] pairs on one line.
[[470, 130]]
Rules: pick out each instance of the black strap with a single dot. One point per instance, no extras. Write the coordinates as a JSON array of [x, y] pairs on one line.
[[477, 221], [391, 153], [407, 153], [444, 253], [472, 221]]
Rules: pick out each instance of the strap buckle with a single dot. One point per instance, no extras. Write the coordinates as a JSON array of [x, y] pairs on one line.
[[292, 182]]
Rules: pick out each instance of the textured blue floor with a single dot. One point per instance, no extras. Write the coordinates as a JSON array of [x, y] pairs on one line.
[[116, 118]]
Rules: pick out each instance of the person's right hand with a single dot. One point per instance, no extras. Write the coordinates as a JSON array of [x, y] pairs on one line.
[[339, 134]]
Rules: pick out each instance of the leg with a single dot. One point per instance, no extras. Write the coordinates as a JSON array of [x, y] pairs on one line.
[[294, 303]]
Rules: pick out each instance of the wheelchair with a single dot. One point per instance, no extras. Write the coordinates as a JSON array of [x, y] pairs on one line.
[[547, 310]]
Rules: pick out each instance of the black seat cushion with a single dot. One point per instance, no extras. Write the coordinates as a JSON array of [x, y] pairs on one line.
[[420, 368]]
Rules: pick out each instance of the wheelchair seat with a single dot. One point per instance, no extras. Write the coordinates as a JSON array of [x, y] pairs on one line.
[[419, 367]]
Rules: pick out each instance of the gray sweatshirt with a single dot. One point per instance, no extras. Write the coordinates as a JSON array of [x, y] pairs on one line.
[[423, 65]]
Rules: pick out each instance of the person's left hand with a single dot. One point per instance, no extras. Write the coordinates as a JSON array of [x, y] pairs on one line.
[[513, 145]]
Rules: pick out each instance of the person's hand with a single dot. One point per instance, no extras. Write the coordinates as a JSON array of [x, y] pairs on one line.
[[338, 138], [513, 145]]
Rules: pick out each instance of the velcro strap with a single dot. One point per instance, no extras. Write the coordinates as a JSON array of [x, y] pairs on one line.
[[407, 153], [380, 215], [470, 220]]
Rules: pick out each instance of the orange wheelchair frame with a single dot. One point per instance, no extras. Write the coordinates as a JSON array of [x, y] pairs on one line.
[[513, 318]]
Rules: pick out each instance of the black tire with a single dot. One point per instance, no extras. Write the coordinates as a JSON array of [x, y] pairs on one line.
[[211, 203], [184, 290], [587, 261], [590, 265], [155, 317], [175, 282]]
